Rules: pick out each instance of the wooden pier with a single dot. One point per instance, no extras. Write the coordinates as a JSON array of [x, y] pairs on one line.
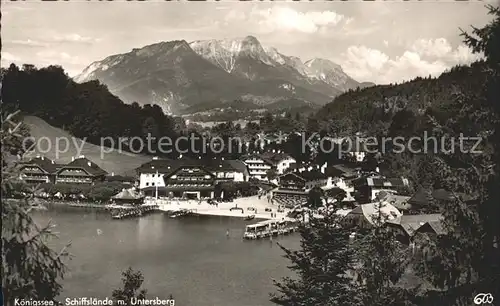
[[123, 213]]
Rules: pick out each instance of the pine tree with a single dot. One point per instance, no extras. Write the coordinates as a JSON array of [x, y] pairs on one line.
[[30, 268], [132, 282], [466, 260], [382, 261], [324, 265]]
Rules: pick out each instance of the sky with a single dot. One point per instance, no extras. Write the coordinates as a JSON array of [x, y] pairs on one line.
[[381, 42]]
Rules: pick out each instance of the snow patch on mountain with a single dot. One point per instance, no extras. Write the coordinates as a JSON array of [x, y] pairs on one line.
[[224, 52]]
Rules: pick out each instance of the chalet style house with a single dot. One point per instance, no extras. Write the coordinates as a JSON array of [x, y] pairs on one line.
[[152, 174], [80, 171], [38, 170], [366, 189], [43, 170], [192, 182], [408, 226], [259, 164], [279, 161], [294, 186]]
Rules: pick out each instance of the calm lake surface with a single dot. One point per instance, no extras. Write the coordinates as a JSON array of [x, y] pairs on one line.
[[190, 258]]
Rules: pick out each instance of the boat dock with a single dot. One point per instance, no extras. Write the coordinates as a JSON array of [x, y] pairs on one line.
[[270, 228], [130, 212], [89, 205]]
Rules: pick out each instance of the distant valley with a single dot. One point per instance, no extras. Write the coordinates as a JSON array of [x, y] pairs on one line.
[[184, 78]]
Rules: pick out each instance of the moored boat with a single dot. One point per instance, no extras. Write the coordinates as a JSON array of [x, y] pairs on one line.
[[250, 217]]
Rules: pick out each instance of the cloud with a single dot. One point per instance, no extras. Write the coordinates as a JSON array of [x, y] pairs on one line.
[[74, 38], [366, 64], [424, 57], [9, 58], [287, 19], [27, 43], [51, 57], [440, 48]]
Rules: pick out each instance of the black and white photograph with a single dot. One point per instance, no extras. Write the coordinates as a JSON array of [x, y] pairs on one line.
[[250, 153]]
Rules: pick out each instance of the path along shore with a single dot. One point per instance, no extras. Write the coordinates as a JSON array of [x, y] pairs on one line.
[[224, 208]]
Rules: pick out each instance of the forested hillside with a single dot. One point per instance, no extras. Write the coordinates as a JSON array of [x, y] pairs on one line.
[[84, 110], [373, 109]]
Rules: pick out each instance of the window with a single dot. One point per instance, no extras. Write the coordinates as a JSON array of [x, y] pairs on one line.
[[147, 184], [152, 184]]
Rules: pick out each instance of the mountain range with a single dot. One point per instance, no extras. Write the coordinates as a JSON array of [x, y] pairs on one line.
[[181, 76]]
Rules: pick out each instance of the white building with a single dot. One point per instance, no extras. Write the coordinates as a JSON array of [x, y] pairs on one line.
[[257, 166], [152, 174]]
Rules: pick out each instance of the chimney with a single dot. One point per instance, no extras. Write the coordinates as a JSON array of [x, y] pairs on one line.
[[274, 151], [377, 170], [43, 157], [89, 164], [222, 158], [155, 157], [81, 156], [72, 158], [180, 156], [53, 162], [112, 174]]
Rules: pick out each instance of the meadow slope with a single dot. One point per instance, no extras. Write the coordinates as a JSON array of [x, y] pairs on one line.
[[113, 162]]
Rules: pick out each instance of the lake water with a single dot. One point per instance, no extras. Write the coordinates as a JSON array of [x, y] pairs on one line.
[[191, 258]]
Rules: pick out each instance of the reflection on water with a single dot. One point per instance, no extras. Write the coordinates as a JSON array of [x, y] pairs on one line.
[[191, 258]]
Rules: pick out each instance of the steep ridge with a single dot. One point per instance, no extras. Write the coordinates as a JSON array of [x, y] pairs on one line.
[[176, 75]]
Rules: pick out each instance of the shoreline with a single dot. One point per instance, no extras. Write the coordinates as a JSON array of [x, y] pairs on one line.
[[199, 208]]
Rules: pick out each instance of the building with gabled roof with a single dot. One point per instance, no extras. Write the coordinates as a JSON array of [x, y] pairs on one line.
[[367, 188], [38, 170], [80, 171], [257, 166], [406, 227], [193, 181], [151, 174]]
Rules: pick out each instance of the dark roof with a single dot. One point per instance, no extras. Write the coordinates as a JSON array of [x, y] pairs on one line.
[[165, 165], [120, 178], [292, 175], [238, 165], [273, 158], [179, 168], [85, 164], [381, 182], [438, 227], [340, 171], [220, 165], [311, 175], [169, 165], [411, 223], [423, 196], [44, 163]]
